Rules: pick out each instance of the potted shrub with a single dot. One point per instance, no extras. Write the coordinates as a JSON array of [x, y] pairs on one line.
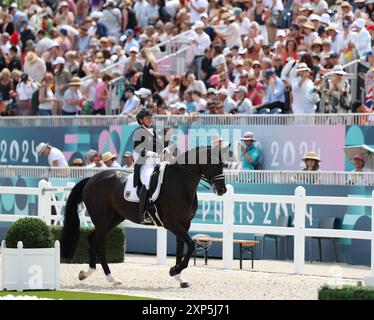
[[30, 260]]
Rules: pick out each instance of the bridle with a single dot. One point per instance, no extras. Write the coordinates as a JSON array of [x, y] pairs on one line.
[[210, 181]]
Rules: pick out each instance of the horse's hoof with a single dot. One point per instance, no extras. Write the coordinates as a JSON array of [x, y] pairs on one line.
[[173, 271], [117, 283], [82, 275], [185, 284]]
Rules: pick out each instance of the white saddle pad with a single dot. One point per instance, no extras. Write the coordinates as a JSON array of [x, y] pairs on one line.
[[130, 190]]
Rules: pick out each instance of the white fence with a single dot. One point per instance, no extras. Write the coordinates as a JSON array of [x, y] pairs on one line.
[[47, 198], [231, 176], [200, 120]]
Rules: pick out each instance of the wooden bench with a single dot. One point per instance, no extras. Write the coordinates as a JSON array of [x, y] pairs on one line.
[[245, 246]]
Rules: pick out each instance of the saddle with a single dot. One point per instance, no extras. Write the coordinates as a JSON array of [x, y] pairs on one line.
[[131, 193]]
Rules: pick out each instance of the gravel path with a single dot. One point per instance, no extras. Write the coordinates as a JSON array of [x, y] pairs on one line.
[[142, 277]]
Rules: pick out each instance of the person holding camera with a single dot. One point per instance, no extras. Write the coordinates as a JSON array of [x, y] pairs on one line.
[[338, 92], [25, 88], [303, 92]]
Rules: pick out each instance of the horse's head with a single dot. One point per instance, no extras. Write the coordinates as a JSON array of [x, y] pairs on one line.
[[214, 169]]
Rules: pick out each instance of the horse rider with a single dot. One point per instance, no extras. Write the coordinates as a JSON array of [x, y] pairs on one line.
[[147, 147]]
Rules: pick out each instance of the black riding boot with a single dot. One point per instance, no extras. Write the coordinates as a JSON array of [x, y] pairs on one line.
[[143, 201]]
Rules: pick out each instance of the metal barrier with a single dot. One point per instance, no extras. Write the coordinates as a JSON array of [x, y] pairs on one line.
[[347, 119], [231, 176]]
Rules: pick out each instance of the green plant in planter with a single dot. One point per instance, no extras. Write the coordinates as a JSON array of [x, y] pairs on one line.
[[33, 232]]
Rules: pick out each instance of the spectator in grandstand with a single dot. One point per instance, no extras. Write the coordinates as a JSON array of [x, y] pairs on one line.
[[34, 67], [128, 160], [46, 96], [228, 103], [77, 162], [72, 98], [200, 43], [338, 92], [275, 95], [62, 79], [312, 161], [55, 156], [102, 95], [6, 88], [15, 61], [362, 42], [112, 18], [243, 104], [303, 91], [132, 101], [150, 69], [218, 61], [90, 157], [25, 89], [248, 152], [98, 162], [110, 160], [255, 89]]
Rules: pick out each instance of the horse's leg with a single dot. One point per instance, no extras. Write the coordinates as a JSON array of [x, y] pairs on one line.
[[181, 233], [92, 253], [100, 241], [179, 253]]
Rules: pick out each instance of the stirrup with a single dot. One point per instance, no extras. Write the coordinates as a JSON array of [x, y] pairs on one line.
[[146, 219]]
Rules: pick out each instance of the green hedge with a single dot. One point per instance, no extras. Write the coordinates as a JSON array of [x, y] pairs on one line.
[[34, 233], [346, 293], [114, 245]]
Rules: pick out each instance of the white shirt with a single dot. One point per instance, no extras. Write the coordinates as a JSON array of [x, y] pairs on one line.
[[130, 105], [203, 42], [194, 15], [245, 26], [277, 7], [233, 35], [245, 106], [139, 8], [301, 102], [56, 154], [5, 48], [115, 164], [363, 42]]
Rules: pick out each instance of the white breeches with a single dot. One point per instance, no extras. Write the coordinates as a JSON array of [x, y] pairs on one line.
[[145, 173]]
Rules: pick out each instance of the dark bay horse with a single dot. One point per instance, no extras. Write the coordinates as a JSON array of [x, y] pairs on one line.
[[103, 195]]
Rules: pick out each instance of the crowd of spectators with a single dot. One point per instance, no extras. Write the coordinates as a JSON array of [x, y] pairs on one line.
[[246, 56]]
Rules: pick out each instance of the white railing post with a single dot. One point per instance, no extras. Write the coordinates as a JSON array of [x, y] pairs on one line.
[[228, 221], [369, 281], [44, 202], [299, 225], [162, 241]]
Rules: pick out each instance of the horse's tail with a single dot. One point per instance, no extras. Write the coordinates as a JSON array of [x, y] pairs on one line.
[[70, 231]]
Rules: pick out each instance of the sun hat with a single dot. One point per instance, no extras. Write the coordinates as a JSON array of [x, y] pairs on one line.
[[338, 69], [143, 92], [248, 136], [281, 33], [345, 4], [223, 92], [308, 25], [242, 50], [31, 57], [241, 89], [360, 23], [302, 67], [359, 156], [134, 49], [198, 25], [211, 91], [325, 18], [58, 60], [107, 156], [317, 41], [127, 154], [75, 81], [41, 147], [311, 155], [314, 16]]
